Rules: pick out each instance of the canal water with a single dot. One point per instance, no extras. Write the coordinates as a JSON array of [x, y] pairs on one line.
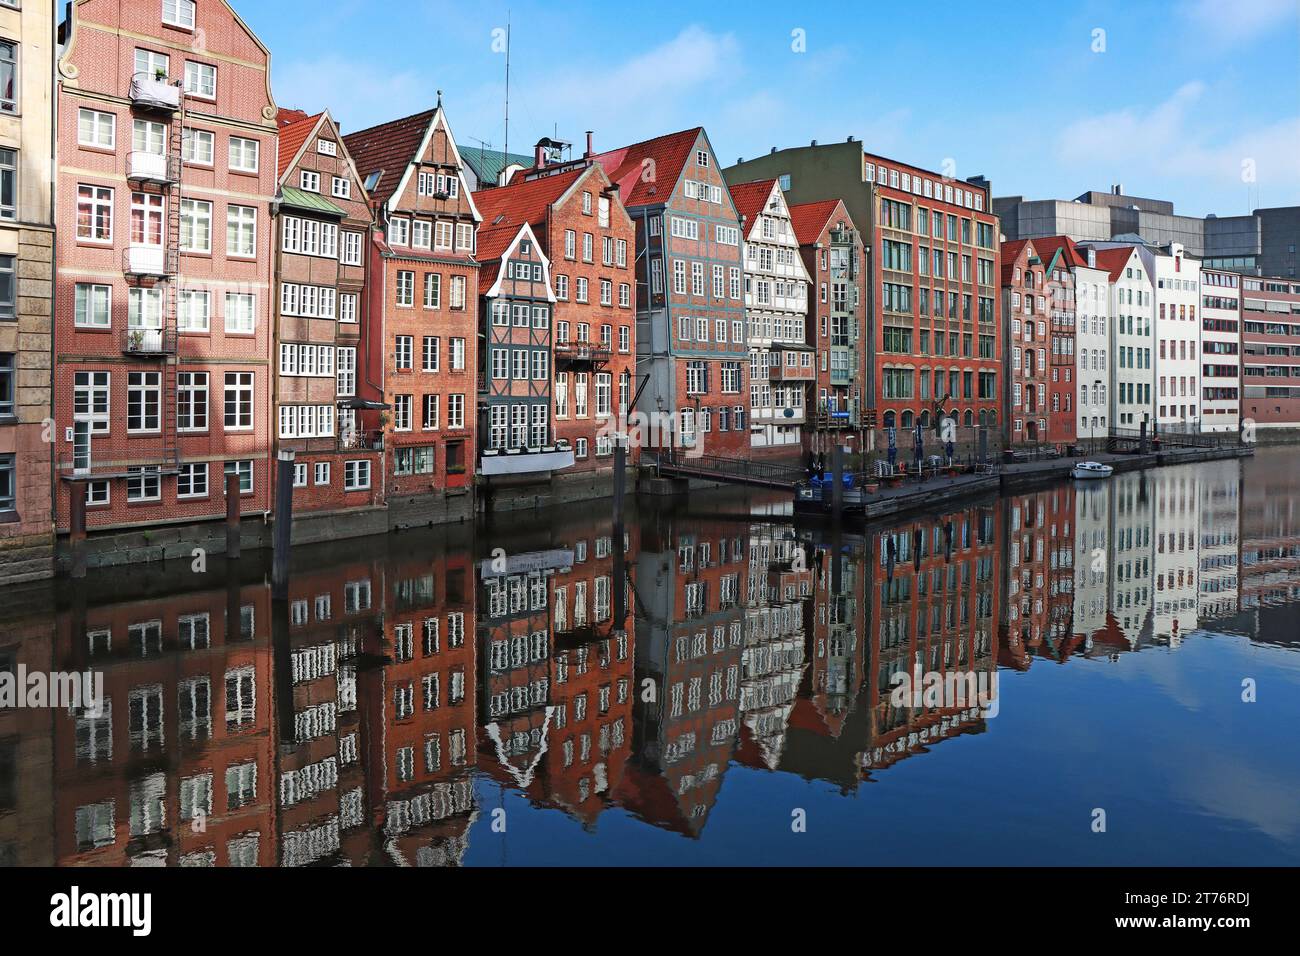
[[1096, 673]]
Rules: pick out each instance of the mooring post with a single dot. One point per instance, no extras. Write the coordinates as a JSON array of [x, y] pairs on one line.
[[283, 522], [232, 516], [77, 529], [837, 477]]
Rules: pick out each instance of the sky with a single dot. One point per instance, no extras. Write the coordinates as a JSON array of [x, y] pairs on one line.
[[1194, 101]]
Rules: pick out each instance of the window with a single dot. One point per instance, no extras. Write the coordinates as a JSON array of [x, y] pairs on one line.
[[310, 181], [240, 315], [196, 225], [457, 292], [356, 475], [402, 412], [178, 13], [399, 232], [193, 310], [8, 77], [143, 402], [243, 154], [96, 129], [241, 231], [90, 399], [458, 355], [92, 306], [95, 213], [198, 146], [239, 401], [429, 353], [192, 401], [405, 288], [351, 249], [455, 411], [144, 483], [201, 79], [244, 469], [7, 371], [192, 480], [402, 353], [341, 187]]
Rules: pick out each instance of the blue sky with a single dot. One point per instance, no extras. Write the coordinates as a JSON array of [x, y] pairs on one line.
[[1183, 97]]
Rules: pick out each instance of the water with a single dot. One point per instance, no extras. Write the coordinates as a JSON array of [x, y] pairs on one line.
[[491, 695]]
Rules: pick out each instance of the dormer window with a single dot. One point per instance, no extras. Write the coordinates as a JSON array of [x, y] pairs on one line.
[[373, 180], [178, 13]]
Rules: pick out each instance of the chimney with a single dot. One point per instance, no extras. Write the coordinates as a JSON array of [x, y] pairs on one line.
[[773, 150], [814, 142], [1117, 189], [539, 156], [590, 152]]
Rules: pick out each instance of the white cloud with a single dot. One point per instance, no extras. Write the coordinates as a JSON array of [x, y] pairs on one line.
[[357, 94], [1227, 25], [1183, 139]]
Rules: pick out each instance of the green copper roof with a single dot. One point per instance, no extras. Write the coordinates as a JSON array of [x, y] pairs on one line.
[[488, 163], [312, 202]]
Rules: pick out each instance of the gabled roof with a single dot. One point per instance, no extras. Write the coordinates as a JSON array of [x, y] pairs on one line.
[[388, 148], [1062, 247], [750, 199], [809, 219], [488, 163], [668, 153], [524, 200], [296, 127], [1114, 260], [1009, 254], [495, 243]]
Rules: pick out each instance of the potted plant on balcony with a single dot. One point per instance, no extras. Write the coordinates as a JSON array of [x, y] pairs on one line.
[[135, 340]]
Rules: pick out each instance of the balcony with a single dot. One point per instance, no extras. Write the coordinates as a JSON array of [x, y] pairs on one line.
[[154, 93], [582, 353], [361, 441], [144, 260], [146, 167], [145, 342], [525, 461]]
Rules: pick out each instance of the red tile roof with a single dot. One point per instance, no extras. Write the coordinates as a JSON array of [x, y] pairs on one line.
[[1114, 260], [809, 219], [295, 127], [389, 147], [523, 200], [1049, 247], [750, 199], [1009, 254], [493, 241], [668, 154]]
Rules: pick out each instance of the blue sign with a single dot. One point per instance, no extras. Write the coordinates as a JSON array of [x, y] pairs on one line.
[[893, 436]]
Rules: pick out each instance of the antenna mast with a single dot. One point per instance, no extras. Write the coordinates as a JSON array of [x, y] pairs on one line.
[[507, 147]]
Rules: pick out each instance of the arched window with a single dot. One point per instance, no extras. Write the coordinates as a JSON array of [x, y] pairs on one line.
[[907, 419], [984, 417], [925, 418], [890, 421], [969, 418]]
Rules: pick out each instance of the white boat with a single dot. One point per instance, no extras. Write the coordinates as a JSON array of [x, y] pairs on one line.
[[1092, 469]]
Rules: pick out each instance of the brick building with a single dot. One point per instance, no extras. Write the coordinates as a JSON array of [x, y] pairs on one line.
[[162, 382], [26, 290], [935, 339], [1039, 328], [837, 320], [781, 368], [581, 225], [421, 333], [691, 339], [323, 224]]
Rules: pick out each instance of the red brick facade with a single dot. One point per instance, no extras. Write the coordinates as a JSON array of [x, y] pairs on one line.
[[423, 323], [179, 233]]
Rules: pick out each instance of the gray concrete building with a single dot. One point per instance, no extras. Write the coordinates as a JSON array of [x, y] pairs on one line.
[[1262, 243]]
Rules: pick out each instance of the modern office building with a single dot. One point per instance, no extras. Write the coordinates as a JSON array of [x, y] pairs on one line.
[[1270, 360], [1261, 243]]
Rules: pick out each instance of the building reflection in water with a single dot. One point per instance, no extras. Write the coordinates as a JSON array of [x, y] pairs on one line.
[[383, 711]]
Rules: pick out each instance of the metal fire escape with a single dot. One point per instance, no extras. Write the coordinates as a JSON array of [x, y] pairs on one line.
[[151, 174]]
